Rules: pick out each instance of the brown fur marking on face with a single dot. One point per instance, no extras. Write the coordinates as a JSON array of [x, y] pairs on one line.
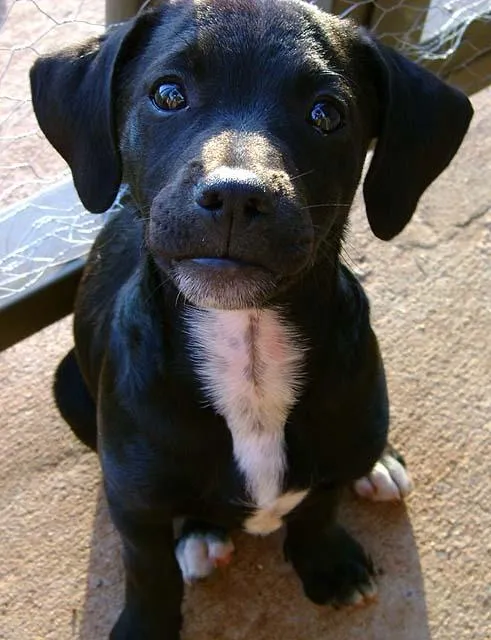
[[252, 151]]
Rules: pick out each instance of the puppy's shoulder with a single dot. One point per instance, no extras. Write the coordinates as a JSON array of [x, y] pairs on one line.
[[109, 304], [353, 304]]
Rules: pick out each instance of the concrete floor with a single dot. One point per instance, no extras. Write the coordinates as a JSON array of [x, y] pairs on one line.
[[60, 568]]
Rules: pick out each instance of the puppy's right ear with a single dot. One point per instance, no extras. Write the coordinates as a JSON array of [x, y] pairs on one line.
[[73, 98]]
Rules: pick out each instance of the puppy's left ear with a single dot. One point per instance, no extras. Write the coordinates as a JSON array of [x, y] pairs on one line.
[[421, 124]]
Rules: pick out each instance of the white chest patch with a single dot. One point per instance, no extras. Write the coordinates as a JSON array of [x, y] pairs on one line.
[[250, 365]]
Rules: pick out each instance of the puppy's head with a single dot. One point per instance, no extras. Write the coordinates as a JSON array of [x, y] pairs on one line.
[[241, 127]]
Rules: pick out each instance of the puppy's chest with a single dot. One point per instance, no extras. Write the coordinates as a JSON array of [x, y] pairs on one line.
[[250, 365]]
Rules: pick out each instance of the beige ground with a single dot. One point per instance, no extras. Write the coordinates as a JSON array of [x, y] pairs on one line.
[[60, 571]]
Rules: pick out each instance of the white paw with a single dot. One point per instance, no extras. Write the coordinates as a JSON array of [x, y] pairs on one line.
[[388, 480], [199, 555]]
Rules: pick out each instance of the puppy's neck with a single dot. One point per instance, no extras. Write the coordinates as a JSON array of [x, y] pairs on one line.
[[250, 365]]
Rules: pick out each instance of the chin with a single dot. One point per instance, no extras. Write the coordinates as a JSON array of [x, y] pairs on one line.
[[219, 283]]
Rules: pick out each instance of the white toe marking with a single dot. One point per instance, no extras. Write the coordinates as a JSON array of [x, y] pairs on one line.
[[220, 551], [399, 475], [388, 480], [199, 555], [370, 591], [357, 599], [365, 594]]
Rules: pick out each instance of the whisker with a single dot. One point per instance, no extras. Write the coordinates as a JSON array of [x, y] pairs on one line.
[[165, 280], [152, 293], [348, 259], [302, 175]]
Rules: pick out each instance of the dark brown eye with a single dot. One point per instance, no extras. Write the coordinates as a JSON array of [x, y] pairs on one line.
[[325, 117], [169, 96]]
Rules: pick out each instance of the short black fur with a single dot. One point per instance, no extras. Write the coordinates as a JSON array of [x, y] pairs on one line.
[[252, 69]]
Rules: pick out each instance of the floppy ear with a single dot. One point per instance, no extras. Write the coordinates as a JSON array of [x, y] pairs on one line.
[[422, 121], [73, 99]]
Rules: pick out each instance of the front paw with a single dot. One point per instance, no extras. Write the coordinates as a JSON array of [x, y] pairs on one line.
[[389, 480], [200, 553], [333, 568]]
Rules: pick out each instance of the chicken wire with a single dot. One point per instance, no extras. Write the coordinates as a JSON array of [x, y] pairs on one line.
[[435, 31], [42, 224]]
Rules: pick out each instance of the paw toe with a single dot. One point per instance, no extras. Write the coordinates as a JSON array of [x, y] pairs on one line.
[[199, 555], [221, 551], [387, 481], [363, 595], [399, 475], [369, 591]]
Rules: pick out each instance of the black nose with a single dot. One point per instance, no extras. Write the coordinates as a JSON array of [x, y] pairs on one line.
[[235, 192]]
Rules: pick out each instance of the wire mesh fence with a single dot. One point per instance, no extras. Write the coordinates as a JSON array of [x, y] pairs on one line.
[[39, 232], [451, 37]]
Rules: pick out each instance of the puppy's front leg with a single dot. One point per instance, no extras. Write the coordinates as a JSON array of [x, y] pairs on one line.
[[332, 566], [153, 581]]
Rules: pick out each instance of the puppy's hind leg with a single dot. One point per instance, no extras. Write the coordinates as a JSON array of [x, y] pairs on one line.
[[74, 400], [201, 549], [389, 479]]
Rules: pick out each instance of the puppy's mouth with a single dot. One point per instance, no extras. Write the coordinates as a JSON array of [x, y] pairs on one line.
[[223, 283]]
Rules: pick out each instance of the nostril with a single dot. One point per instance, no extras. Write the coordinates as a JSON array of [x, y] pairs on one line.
[[235, 192], [252, 207], [257, 205], [210, 199]]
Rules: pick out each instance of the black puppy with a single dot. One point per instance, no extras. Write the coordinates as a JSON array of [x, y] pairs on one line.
[[225, 367]]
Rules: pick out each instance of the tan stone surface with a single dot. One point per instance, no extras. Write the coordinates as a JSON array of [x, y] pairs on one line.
[[60, 572]]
